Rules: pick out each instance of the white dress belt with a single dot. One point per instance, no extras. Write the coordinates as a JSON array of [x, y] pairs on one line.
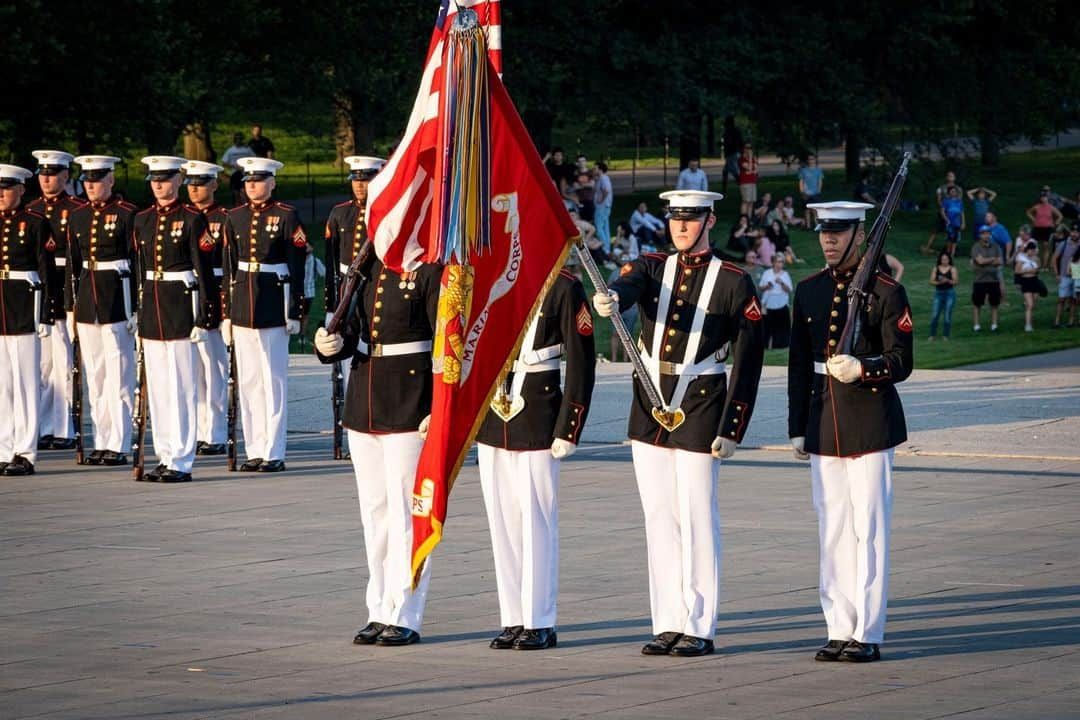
[[279, 269], [117, 265], [29, 276], [393, 349], [542, 366], [218, 272], [60, 261], [186, 276]]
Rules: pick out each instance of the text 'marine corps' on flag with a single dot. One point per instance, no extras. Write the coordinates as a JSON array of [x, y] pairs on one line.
[[488, 300]]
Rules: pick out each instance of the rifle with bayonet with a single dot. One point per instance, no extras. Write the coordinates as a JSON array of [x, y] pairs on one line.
[[138, 446], [863, 281], [346, 294]]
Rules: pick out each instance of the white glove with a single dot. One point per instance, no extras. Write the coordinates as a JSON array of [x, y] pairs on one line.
[[606, 304], [424, 424], [226, 331], [292, 327], [845, 368], [132, 325], [562, 448], [43, 330], [70, 322], [798, 445], [723, 447], [198, 334], [328, 345]]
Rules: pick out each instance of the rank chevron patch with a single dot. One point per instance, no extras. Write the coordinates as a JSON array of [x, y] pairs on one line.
[[904, 324], [584, 321], [752, 311]]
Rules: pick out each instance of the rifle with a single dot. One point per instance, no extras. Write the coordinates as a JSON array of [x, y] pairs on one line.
[[668, 418], [349, 288], [863, 282], [76, 388], [230, 413], [138, 447]]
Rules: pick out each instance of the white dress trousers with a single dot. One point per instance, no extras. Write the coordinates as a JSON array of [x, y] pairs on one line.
[[212, 387], [262, 368], [853, 499], [682, 530], [385, 467], [108, 353], [55, 404], [170, 383], [521, 494], [20, 375]]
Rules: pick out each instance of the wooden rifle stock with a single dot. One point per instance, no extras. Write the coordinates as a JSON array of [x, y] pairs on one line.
[[346, 293], [76, 391], [863, 282], [138, 448]]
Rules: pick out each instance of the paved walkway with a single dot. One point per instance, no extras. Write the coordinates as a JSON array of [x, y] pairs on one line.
[[236, 596]]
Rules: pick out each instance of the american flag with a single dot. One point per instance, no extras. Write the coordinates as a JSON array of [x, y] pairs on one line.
[[399, 198]]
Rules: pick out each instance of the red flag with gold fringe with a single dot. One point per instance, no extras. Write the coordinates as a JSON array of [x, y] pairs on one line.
[[468, 189]]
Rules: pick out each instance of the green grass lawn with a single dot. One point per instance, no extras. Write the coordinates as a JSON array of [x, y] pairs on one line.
[[1017, 182]]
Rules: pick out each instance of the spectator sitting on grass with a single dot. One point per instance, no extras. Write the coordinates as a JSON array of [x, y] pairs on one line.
[[785, 212], [648, 228], [765, 250], [760, 213], [1027, 275], [862, 190], [625, 243], [742, 237], [778, 236], [981, 198]]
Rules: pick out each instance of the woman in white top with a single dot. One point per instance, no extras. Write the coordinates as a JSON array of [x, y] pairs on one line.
[[1026, 267], [775, 286]]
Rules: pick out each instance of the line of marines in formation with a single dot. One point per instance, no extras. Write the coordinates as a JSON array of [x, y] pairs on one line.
[[190, 281]]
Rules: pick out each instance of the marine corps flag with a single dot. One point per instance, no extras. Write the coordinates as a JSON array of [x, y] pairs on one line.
[[466, 188]]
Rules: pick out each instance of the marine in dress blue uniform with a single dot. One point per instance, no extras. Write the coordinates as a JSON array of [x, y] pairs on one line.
[[697, 312], [56, 431], [845, 415], [99, 287], [212, 375], [264, 280], [25, 268]]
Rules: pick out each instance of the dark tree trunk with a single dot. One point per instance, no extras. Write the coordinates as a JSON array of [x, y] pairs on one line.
[[989, 147], [852, 154], [689, 139], [197, 145], [539, 123], [710, 135]]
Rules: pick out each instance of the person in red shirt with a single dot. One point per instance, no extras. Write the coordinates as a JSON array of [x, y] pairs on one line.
[[748, 174]]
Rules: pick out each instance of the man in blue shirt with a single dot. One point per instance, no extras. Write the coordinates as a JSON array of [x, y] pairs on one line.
[[693, 177], [810, 181]]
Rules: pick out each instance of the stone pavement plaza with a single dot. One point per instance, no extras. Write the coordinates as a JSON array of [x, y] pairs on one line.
[[236, 596]]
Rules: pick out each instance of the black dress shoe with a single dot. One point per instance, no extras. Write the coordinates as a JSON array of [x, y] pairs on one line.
[[272, 466], [860, 652], [45, 442], [690, 646], [395, 635], [211, 449], [252, 465], [63, 444], [168, 475], [830, 651], [505, 639], [368, 634], [113, 458], [536, 639], [19, 466], [94, 458], [661, 644], [152, 475]]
